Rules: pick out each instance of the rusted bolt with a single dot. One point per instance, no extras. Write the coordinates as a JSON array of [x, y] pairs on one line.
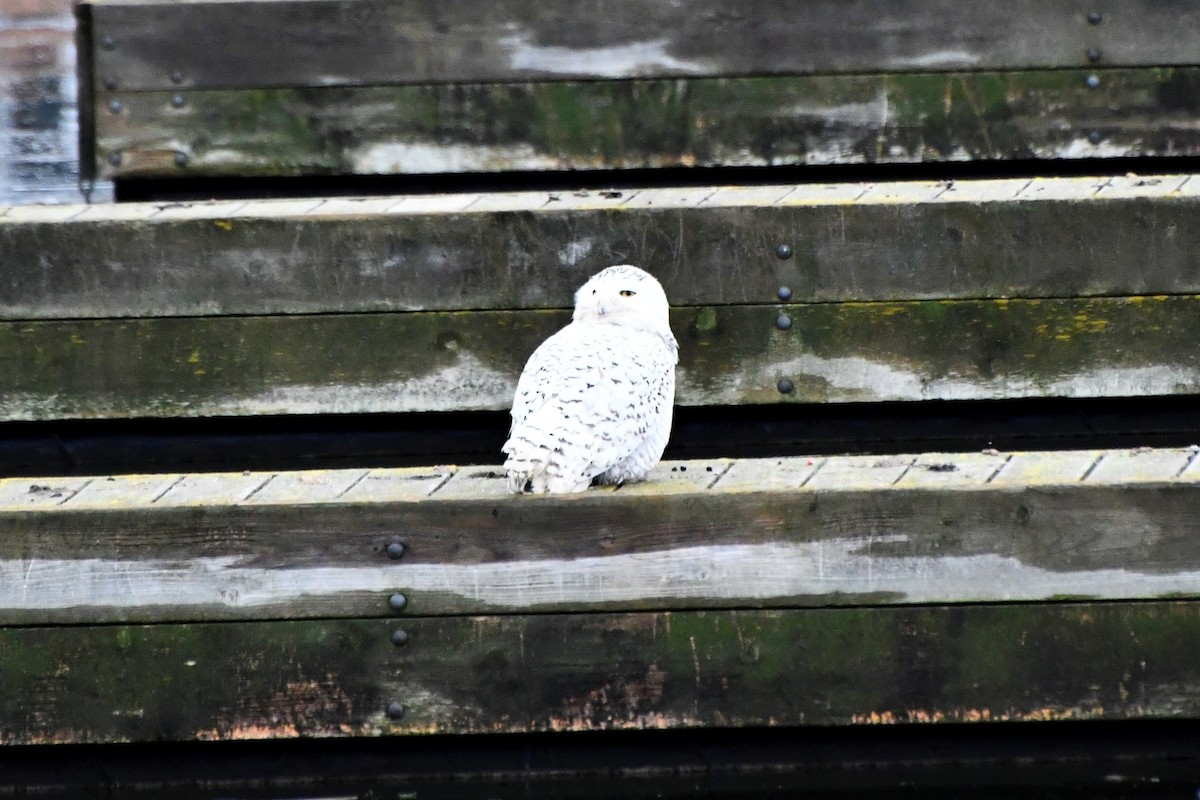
[[114, 159], [177, 101], [784, 251], [181, 159], [1093, 81], [115, 106], [397, 602], [783, 322], [1095, 17], [1094, 137], [395, 550], [784, 293], [108, 44], [786, 386], [1093, 54], [399, 637], [395, 710], [176, 76]]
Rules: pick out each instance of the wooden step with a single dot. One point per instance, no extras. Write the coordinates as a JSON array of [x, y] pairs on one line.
[[814, 293], [962, 587], [404, 87], [933, 528]]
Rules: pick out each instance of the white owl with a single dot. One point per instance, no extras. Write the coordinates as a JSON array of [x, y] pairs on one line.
[[595, 399]]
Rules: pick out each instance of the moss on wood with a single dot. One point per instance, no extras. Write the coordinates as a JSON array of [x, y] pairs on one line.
[[833, 352], [591, 672], [897, 118]]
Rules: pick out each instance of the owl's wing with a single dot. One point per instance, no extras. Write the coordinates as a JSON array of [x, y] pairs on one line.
[[581, 406]]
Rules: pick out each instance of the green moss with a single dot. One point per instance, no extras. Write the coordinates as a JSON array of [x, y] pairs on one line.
[[141, 367], [645, 123], [705, 320]]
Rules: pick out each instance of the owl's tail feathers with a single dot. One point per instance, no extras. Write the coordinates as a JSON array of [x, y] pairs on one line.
[[535, 464]]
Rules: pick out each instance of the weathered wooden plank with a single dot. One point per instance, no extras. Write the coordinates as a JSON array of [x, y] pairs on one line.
[[167, 44], [1063, 466], [708, 245], [942, 528], [437, 361], [933, 470], [898, 118], [600, 672], [1124, 465]]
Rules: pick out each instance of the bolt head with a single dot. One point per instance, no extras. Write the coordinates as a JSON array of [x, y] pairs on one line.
[[399, 637], [397, 602], [1095, 17], [395, 710], [177, 101], [114, 159], [109, 82], [177, 76], [1095, 138], [786, 386], [784, 293], [108, 43], [1093, 81], [115, 106], [1093, 55], [784, 322], [395, 550], [784, 251]]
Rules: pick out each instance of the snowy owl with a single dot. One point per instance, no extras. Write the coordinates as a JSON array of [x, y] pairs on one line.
[[595, 399]]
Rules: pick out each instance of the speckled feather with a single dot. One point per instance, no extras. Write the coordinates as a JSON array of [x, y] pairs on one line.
[[595, 399]]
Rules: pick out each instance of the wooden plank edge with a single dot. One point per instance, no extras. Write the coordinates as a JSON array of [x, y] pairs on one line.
[[550, 672], [1154, 186], [946, 471], [935, 528]]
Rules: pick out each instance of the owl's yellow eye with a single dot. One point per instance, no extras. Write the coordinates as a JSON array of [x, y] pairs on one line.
[[628, 293]]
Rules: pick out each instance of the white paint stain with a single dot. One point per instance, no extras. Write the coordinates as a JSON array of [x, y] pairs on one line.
[[869, 113], [576, 251], [427, 157], [754, 572], [629, 60], [1129, 381], [942, 58], [852, 378], [468, 384], [1082, 148]]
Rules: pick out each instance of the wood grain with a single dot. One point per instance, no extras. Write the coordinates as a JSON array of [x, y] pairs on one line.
[[166, 45], [550, 672], [810, 120], [938, 528], [470, 360], [708, 245]]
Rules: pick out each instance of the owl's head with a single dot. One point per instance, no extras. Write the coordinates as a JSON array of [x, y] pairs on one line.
[[624, 295]]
